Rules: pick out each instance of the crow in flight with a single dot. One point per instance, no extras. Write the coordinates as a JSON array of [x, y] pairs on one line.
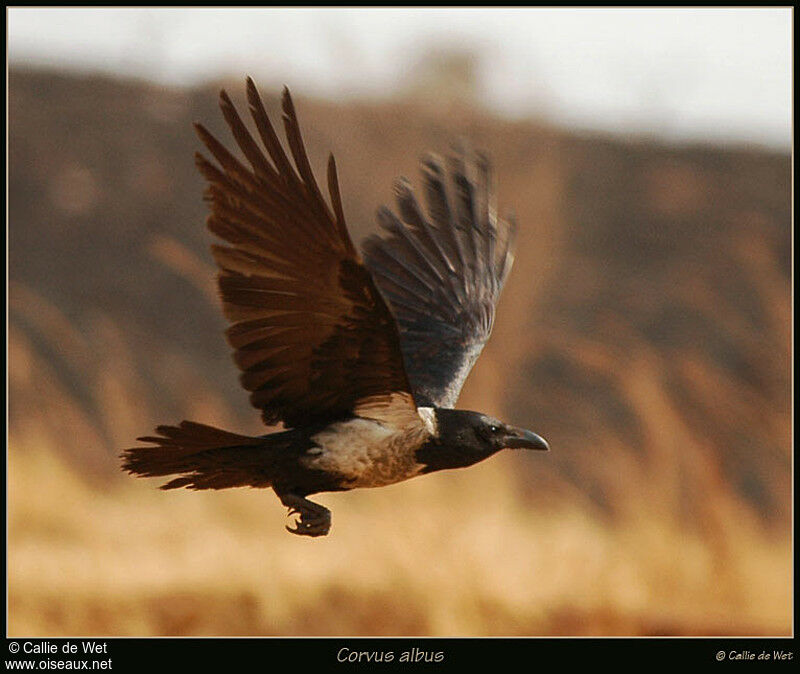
[[360, 356]]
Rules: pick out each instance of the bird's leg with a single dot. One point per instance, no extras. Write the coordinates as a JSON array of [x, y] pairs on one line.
[[315, 520]]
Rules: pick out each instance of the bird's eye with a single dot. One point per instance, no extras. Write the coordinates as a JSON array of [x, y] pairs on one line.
[[494, 429]]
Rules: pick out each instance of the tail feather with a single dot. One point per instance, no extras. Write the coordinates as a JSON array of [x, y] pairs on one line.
[[204, 457]]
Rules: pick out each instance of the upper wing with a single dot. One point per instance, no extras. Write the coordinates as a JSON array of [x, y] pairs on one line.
[[312, 334], [442, 274]]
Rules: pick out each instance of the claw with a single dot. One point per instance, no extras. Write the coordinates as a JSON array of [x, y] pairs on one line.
[[314, 519]]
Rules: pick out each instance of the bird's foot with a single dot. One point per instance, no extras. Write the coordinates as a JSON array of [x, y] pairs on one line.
[[314, 520]]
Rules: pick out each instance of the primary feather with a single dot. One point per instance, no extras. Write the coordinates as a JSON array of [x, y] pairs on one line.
[[442, 273], [312, 334]]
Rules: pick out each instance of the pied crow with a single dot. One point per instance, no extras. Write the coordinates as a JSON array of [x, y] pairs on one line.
[[359, 355]]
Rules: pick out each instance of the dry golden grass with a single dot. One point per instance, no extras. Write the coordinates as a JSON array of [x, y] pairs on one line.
[[449, 555]]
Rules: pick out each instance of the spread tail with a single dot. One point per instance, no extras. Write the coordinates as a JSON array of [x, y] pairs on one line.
[[204, 457]]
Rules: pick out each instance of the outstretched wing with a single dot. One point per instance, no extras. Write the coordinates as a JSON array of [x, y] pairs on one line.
[[312, 335], [442, 273]]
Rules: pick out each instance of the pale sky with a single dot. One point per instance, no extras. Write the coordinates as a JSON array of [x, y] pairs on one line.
[[714, 74]]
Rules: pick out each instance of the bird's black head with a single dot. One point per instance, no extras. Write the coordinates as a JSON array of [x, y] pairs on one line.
[[463, 438]]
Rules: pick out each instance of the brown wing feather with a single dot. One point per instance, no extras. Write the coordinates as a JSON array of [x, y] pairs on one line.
[[312, 335]]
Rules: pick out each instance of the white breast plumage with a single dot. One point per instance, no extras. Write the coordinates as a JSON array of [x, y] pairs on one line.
[[367, 453]]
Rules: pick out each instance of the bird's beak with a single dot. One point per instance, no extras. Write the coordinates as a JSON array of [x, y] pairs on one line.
[[519, 438]]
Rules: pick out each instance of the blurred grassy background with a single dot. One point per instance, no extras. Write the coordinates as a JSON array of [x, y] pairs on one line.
[[645, 332]]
